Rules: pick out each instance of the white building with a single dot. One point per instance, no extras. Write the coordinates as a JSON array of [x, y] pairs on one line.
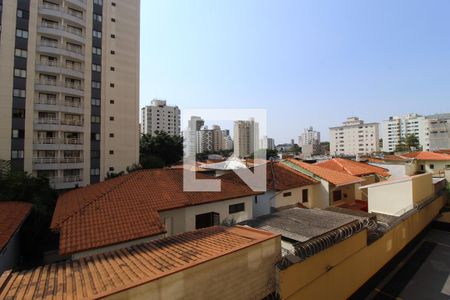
[[267, 143], [227, 141], [246, 137], [398, 127], [439, 129], [354, 138], [190, 136], [209, 139], [160, 117], [309, 140]]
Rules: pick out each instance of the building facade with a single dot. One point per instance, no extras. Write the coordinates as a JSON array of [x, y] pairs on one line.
[[309, 140], [69, 94], [354, 138], [267, 143], [160, 117], [246, 137], [209, 139], [227, 141], [398, 127], [439, 130]]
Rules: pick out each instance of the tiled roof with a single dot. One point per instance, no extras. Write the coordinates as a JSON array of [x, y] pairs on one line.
[[110, 273], [352, 167], [423, 155], [443, 151], [280, 177], [12, 215], [126, 208], [335, 177]]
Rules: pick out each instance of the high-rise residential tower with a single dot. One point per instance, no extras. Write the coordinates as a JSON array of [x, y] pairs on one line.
[[246, 137], [160, 117], [354, 138], [69, 88]]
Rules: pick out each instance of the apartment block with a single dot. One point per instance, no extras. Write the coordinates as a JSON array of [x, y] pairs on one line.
[[439, 130], [267, 143], [210, 139], [160, 117], [69, 94], [309, 140], [227, 141], [398, 127], [246, 137], [354, 138]]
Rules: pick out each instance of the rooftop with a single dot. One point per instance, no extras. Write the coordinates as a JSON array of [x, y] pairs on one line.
[[12, 216], [425, 155], [109, 273], [352, 167], [334, 177], [126, 208], [280, 177]]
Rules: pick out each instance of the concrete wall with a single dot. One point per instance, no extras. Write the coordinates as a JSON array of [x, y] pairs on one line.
[[439, 166], [422, 187], [320, 195], [392, 199], [296, 197], [244, 274], [398, 170], [183, 219], [339, 271], [262, 207], [10, 254]]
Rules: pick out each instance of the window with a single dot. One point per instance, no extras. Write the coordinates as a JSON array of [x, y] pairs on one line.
[[304, 196], [96, 68], [111, 118], [113, 52], [207, 220], [97, 17], [95, 102], [111, 101], [337, 195], [18, 113], [112, 69], [113, 20], [18, 134], [21, 53], [111, 152], [113, 3], [95, 136], [97, 34], [113, 36], [287, 194], [96, 84], [95, 119], [19, 93], [23, 14], [235, 208], [22, 33], [98, 2], [95, 154], [97, 51], [95, 172], [111, 135], [111, 169], [256, 199], [16, 154], [111, 85], [431, 166], [20, 73]]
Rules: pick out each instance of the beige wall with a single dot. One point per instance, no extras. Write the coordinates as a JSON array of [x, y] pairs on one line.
[[244, 274], [351, 259], [183, 219], [295, 198], [422, 187], [125, 94], [7, 43], [320, 194], [439, 166], [392, 199]]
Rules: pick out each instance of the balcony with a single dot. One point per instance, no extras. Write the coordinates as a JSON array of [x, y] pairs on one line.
[[57, 163], [49, 66], [53, 124], [57, 11], [54, 144], [46, 140], [66, 182], [53, 104], [71, 122], [55, 86], [79, 3], [55, 48], [65, 31]]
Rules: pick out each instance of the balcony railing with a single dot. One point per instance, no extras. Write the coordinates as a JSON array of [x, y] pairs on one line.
[[71, 122], [46, 140], [44, 81], [72, 85], [67, 84], [50, 63], [54, 140], [65, 179], [54, 101], [73, 141], [56, 160], [58, 26], [52, 121]]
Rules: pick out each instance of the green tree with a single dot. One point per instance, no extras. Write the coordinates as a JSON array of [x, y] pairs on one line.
[[36, 236], [410, 142], [160, 149], [269, 153], [295, 149]]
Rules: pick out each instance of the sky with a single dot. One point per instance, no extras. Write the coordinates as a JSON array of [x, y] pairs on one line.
[[307, 62]]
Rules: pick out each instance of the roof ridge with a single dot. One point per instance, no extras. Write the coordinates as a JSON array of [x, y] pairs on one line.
[[343, 167], [88, 203]]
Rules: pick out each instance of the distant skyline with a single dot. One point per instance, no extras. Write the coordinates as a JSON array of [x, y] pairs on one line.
[[309, 63]]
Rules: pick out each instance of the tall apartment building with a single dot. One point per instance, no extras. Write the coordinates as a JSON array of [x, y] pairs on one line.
[[209, 139], [190, 136], [439, 131], [309, 140], [69, 88], [160, 117], [398, 127], [246, 137], [227, 141], [354, 138], [267, 143]]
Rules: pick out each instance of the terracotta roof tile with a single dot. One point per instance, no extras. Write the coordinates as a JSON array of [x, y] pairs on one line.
[[335, 177], [280, 177], [443, 151], [352, 167], [109, 273], [13, 215], [424, 155], [126, 208]]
